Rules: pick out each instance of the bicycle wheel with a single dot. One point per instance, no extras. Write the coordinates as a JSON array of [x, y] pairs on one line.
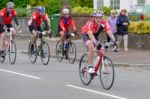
[[107, 73], [45, 53], [32, 52], [12, 52], [71, 52], [59, 51], [85, 77]]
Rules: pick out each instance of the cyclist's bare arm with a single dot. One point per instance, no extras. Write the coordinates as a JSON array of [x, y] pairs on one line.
[[91, 36], [2, 20], [16, 20], [110, 34]]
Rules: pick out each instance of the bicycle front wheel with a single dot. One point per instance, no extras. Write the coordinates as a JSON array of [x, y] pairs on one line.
[[32, 52], [12, 52], [59, 51], [107, 73], [45, 53], [72, 52], [85, 77]]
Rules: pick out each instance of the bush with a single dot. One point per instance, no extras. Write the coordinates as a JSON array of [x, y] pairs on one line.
[[140, 27], [106, 10], [21, 12], [82, 10]]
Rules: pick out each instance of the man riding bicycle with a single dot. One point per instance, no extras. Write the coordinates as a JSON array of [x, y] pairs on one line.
[[64, 23], [35, 21], [90, 32], [6, 16]]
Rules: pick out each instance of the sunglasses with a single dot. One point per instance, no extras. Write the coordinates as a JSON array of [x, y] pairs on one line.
[[113, 13], [10, 8]]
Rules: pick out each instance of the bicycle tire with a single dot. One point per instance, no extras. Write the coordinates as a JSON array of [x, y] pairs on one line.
[[43, 56], [105, 71], [71, 49], [85, 77], [12, 50], [32, 54], [59, 51]]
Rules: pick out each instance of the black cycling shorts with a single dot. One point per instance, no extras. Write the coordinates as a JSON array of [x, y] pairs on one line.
[[2, 27], [31, 28], [85, 37]]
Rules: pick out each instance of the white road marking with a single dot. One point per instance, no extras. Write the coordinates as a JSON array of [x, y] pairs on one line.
[[21, 74], [97, 92]]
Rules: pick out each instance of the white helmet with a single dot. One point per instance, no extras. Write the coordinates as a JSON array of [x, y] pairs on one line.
[[98, 13], [65, 11]]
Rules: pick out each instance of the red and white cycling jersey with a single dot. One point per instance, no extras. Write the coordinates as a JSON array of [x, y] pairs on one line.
[[39, 19], [91, 25], [64, 24], [7, 17]]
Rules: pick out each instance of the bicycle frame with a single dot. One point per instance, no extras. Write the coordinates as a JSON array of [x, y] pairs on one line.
[[8, 39], [101, 55]]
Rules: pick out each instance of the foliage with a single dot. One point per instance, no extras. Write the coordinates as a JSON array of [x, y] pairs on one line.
[[106, 10], [21, 12], [82, 3], [140, 27], [82, 10]]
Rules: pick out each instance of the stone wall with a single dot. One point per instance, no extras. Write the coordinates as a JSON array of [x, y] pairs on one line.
[[139, 41]]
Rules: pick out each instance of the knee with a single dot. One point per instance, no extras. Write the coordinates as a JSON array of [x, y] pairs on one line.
[[90, 46], [2, 35], [62, 33]]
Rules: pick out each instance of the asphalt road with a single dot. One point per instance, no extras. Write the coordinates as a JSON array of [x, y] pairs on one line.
[[24, 80]]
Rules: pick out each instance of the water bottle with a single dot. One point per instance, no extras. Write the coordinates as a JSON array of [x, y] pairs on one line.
[[66, 45]]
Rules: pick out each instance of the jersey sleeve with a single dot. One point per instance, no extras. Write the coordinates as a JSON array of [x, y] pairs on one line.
[[106, 26], [61, 24], [45, 17], [1, 13], [14, 12], [73, 25], [34, 16]]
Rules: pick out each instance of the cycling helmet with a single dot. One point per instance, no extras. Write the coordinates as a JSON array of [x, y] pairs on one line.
[[65, 11], [41, 9], [98, 13], [10, 5]]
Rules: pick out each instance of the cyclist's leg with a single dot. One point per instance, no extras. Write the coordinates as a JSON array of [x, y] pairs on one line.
[[2, 39], [89, 44], [62, 36], [33, 32]]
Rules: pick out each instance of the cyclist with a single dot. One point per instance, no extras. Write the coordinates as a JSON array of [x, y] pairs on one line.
[[6, 16], [35, 21], [64, 23], [90, 32]]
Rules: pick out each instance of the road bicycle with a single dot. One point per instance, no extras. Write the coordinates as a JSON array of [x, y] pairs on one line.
[[66, 49], [104, 68], [39, 48], [10, 48]]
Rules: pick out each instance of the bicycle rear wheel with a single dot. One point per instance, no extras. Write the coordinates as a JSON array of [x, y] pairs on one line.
[[107, 73], [85, 77], [59, 51], [12, 52], [45, 53], [32, 52], [72, 52]]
